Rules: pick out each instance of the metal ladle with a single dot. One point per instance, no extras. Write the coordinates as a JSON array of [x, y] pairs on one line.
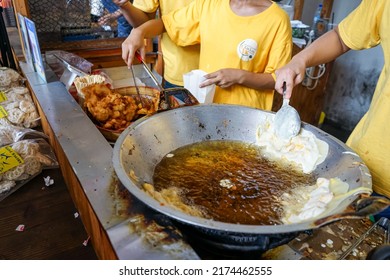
[[287, 122]]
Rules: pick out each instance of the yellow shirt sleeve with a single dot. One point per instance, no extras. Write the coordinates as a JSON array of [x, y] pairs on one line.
[[148, 6], [183, 25], [360, 29], [178, 60]]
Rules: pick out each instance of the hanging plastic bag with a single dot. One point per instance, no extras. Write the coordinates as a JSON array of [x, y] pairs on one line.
[[22, 161]]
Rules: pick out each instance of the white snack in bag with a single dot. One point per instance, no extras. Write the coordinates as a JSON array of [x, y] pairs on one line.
[[9, 78], [37, 155]]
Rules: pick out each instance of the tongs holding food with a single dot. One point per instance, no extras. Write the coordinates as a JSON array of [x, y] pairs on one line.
[[173, 97], [136, 88]]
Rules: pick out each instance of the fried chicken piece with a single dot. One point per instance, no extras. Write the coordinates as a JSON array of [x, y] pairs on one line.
[[113, 110]]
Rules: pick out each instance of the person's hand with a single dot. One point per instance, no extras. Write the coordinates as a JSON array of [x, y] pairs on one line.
[[223, 78], [106, 20], [292, 73], [120, 3], [134, 42], [109, 18]]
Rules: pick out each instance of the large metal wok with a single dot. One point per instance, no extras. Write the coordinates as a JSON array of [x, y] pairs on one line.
[[143, 144]]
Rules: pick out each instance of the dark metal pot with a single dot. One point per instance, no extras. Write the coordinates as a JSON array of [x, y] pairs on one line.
[[143, 144]]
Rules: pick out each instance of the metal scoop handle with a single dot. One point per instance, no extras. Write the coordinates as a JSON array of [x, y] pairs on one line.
[[286, 101]]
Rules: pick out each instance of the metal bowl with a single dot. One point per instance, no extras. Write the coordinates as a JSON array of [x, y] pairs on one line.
[[144, 143]]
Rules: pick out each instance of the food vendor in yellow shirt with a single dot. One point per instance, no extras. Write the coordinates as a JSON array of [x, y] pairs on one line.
[[242, 44], [366, 27], [177, 60]]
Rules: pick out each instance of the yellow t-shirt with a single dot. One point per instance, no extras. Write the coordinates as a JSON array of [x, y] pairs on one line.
[[177, 60], [367, 26], [261, 44]]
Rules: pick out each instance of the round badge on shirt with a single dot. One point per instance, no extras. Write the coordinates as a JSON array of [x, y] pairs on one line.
[[247, 49]]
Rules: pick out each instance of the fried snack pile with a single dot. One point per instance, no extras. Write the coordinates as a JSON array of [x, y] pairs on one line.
[[113, 110]]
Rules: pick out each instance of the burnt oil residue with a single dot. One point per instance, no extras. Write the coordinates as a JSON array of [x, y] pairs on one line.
[[125, 205], [158, 227], [130, 152], [349, 94], [202, 126], [158, 140]]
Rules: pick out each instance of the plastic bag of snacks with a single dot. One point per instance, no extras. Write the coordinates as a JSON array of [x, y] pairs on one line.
[[18, 108], [10, 134], [9, 78], [16, 94], [22, 161]]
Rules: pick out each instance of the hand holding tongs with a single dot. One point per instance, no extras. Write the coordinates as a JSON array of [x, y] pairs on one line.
[[139, 57], [184, 95]]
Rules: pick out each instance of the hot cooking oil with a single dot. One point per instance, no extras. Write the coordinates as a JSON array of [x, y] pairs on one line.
[[229, 181]]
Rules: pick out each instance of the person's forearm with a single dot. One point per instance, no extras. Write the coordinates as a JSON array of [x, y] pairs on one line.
[[259, 81], [151, 28], [134, 16], [325, 49]]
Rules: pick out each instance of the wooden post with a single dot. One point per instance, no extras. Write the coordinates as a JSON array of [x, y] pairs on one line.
[[298, 8], [21, 6], [326, 9]]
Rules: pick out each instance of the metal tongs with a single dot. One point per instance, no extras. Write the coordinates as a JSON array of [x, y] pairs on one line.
[[383, 222], [174, 97], [136, 87]]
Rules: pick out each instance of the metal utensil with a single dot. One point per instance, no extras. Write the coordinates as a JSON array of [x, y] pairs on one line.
[[364, 207], [359, 240], [136, 87], [382, 252], [174, 97], [287, 122]]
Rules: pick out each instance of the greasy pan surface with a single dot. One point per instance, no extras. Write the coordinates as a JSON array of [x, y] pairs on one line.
[[144, 143]]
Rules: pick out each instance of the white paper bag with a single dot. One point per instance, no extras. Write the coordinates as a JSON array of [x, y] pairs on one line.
[[192, 80]]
